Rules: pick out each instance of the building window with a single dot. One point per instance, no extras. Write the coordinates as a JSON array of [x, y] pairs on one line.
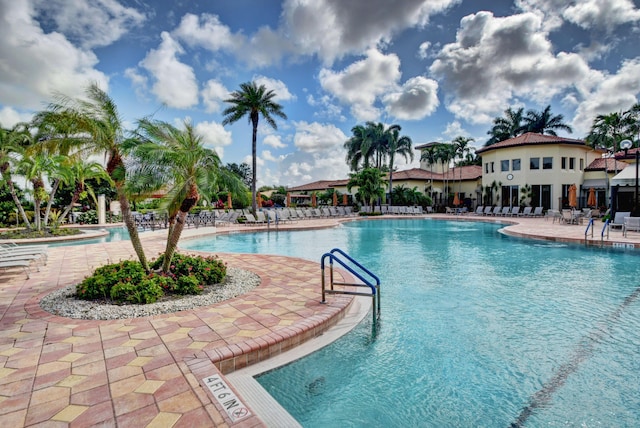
[[504, 165], [581, 164], [572, 163], [492, 170], [515, 164], [534, 163], [486, 168], [563, 163], [547, 163]]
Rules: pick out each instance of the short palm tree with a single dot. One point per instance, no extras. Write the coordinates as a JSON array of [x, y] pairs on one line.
[[177, 161], [370, 184], [79, 172], [97, 117], [13, 143], [253, 101]]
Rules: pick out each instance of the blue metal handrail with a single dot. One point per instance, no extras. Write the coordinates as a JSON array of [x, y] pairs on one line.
[[605, 227], [374, 286], [590, 225]]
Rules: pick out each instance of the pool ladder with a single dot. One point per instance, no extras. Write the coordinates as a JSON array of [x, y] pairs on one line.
[[347, 262]]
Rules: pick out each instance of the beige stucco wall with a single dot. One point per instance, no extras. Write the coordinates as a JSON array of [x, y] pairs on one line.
[[555, 177]]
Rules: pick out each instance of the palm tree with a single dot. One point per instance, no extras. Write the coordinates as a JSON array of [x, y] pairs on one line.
[[97, 117], [370, 184], [396, 144], [444, 154], [80, 172], [13, 143], [253, 101], [609, 129], [177, 160], [430, 155], [367, 145], [545, 123], [461, 150], [33, 168], [506, 127]]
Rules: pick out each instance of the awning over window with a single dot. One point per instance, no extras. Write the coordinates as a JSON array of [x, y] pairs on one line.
[[626, 177], [599, 183]]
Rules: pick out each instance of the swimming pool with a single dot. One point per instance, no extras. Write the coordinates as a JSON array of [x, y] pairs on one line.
[[115, 234], [478, 329]]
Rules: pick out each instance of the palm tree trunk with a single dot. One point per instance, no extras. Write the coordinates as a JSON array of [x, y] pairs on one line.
[[47, 211], [172, 240], [74, 199], [131, 227], [254, 154], [16, 200]]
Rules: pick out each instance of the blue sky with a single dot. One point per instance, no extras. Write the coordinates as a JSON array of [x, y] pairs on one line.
[[438, 68]]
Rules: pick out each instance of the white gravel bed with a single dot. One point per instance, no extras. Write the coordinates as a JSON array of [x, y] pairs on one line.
[[63, 303]]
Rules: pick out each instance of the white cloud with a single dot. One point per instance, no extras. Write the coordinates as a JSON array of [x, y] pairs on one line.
[[361, 83], [175, 84], [35, 64], [602, 14], [206, 31], [268, 156], [495, 59], [455, 129], [10, 117], [274, 141], [617, 92], [213, 94], [417, 99], [277, 86], [354, 25], [423, 50], [316, 137], [91, 23], [214, 136]]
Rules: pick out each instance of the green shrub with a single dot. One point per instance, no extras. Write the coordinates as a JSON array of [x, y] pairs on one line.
[[127, 282]]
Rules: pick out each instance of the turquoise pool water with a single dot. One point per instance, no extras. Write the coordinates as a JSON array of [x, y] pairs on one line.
[[478, 329], [115, 234]]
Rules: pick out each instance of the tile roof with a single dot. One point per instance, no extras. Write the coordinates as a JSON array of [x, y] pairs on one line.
[[611, 165], [530, 138], [318, 185]]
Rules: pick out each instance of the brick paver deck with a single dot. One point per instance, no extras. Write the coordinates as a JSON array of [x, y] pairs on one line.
[[148, 371]]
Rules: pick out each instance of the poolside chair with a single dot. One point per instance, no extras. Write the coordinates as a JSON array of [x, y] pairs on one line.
[[479, 210], [429, 209], [27, 253], [568, 217], [496, 210], [630, 224], [448, 210], [24, 264], [515, 211], [325, 212], [537, 212], [250, 220], [505, 211], [487, 210], [526, 212], [618, 219], [260, 217]]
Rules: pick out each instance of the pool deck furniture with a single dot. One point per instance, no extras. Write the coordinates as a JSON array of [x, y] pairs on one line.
[[631, 224], [150, 370], [618, 219]]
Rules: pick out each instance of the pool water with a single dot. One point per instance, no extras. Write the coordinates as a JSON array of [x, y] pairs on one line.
[[115, 234], [477, 329]]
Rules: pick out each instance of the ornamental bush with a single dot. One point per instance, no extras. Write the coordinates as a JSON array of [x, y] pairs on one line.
[[126, 282]]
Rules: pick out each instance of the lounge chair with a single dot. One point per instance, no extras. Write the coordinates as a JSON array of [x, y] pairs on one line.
[[526, 212], [505, 211], [515, 211], [537, 212], [17, 253], [496, 210], [479, 210], [630, 224], [487, 210], [618, 219], [24, 264]]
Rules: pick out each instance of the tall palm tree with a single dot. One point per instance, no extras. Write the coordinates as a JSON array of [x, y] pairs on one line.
[[13, 143], [608, 130], [396, 144], [544, 122], [33, 168], [176, 160], [430, 155], [506, 127], [97, 117], [354, 146], [461, 149], [368, 146], [253, 101], [445, 153]]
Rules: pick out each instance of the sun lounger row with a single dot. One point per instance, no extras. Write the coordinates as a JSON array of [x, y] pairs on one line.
[[516, 211], [393, 210], [16, 256]]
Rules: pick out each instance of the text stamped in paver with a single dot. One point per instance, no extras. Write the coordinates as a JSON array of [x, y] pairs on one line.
[[234, 407]]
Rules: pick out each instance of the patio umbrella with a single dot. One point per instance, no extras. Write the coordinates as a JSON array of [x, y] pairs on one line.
[[229, 200], [314, 200], [591, 200], [573, 200], [335, 199], [288, 199], [259, 200], [456, 200], [344, 199]]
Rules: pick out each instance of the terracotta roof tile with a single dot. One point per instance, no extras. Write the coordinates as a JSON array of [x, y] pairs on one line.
[[530, 138]]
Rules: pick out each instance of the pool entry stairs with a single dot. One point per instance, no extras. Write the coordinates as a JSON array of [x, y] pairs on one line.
[[369, 280]]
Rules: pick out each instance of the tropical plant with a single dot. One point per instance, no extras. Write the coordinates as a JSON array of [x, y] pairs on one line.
[[253, 101], [430, 155], [608, 130], [84, 173], [370, 185], [461, 149], [177, 161], [97, 117], [242, 170], [13, 143], [544, 122], [506, 127], [396, 144]]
